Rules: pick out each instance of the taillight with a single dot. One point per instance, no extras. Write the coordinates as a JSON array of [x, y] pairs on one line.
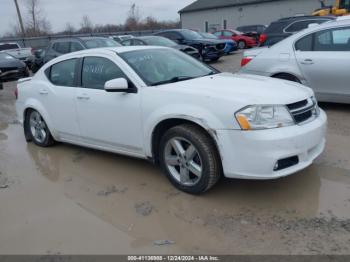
[[245, 60], [262, 38], [16, 92]]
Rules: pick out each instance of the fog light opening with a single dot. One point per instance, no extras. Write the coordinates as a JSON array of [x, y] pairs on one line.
[[286, 163]]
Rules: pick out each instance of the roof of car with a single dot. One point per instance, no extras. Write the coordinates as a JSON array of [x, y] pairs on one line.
[[118, 49], [77, 38], [330, 24], [305, 17], [147, 37]]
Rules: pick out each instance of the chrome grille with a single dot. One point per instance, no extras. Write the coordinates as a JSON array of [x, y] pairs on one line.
[[304, 111]]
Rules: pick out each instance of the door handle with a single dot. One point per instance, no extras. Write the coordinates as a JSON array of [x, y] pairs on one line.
[[43, 92], [308, 62], [83, 97]]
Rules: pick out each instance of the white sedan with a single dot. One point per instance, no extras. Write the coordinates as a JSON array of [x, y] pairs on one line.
[[160, 104], [318, 57]]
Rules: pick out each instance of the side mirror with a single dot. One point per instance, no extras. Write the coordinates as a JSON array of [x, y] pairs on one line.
[[119, 85]]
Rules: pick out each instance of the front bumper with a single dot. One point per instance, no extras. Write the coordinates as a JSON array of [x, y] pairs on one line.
[[254, 154], [14, 74]]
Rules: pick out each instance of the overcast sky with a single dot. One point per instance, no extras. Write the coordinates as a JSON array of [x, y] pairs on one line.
[[60, 12]]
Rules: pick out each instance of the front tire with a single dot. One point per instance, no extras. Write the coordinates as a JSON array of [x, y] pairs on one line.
[[36, 129], [190, 159]]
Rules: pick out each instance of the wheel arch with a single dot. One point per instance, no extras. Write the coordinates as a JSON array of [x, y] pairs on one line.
[[287, 74], [31, 105], [161, 127]]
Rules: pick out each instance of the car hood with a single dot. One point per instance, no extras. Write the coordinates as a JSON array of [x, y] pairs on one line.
[[183, 47], [12, 62], [244, 88], [208, 41]]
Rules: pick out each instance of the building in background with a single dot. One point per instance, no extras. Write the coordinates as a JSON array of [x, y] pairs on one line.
[[211, 15]]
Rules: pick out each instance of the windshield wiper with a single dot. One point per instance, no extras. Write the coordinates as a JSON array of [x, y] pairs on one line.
[[173, 80]]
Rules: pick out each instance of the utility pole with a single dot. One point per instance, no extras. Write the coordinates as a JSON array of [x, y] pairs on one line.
[[20, 18]]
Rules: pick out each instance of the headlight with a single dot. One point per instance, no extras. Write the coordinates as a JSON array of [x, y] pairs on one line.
[[316, 111], [264, 117]]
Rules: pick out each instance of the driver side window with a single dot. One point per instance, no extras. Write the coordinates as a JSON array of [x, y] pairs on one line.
[[97, 71]]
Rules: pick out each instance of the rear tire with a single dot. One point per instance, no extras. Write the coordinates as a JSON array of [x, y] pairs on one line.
[[36, 130], [189, 158]]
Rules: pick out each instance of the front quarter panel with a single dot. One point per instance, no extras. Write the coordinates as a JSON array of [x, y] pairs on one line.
[[159, 104]]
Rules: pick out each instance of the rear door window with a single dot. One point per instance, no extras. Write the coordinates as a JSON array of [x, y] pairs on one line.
[[333, 40], [337, 39], [63, 73]]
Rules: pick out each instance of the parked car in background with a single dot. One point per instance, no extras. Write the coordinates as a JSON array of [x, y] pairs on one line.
[[161, 41], [15, 50], [63, 46], [231, 45], [209, 49], [242, 40], [120, 38], [288, 26], [197, 123], [318, 57], [252, 30], [11, 68]]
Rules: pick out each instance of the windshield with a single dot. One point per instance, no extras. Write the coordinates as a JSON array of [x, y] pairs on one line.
[[162, 66], [190, 35], [237, 32], [4, 56], [160, 41], [100, 42], [208, 35]]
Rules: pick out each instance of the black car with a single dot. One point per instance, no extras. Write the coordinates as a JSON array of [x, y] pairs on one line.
[[62, 46], [209, 49], [11, 68], [161, 41], [285, 27], [252, 30]]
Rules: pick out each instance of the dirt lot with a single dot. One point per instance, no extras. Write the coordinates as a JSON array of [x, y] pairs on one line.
[[72, 200]]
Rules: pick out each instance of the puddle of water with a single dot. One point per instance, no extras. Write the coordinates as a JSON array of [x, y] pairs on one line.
[[109, 187]]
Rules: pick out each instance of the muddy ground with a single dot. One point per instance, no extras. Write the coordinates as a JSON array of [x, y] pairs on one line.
[[72, 200]]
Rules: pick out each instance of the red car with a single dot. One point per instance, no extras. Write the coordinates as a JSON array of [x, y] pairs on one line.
[[242, 40]]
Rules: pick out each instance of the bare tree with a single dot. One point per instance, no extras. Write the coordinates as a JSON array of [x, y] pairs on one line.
[[37, 24], [86, 25], [133, 19], [69, 28]]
